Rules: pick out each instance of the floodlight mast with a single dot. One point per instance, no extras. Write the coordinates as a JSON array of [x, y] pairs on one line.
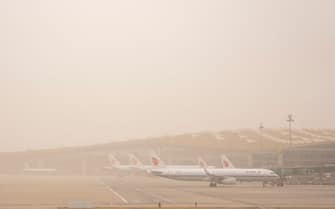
[[261, 127], [290, 121]]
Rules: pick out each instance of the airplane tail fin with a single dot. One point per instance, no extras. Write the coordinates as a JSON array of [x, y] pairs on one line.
[[112, 160], [204, 166], [226, 163], [202, 163], [133, 160], [156, 160]]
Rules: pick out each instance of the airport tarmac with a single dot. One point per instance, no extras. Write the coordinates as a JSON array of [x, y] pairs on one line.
[[61, 191]]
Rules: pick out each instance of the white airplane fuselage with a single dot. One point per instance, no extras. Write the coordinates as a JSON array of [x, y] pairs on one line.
[[149, 168], [219, 174]]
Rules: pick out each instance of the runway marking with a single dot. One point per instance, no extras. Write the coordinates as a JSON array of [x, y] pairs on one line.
[[119, 196], [247, 203]]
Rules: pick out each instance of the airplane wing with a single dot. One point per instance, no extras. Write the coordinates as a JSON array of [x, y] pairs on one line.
[[212, 176]]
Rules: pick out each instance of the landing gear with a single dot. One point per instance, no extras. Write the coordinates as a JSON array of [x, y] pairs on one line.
[[280, 183], [212, 184], [273, 183], [265, 183]]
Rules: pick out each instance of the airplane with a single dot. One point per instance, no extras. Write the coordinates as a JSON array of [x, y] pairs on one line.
[[136, 164], [226, 163], [217, 176], [116, 165], [158, 163], [27, 168], [139, 165], [241, 174]]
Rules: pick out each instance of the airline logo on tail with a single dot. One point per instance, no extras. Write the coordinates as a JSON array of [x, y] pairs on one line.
[[155, 161], [226, 163]]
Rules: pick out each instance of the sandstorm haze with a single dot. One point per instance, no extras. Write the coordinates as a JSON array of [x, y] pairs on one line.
[[87, 72]]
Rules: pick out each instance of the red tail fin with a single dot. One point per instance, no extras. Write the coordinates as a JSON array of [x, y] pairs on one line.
[[155, 161]]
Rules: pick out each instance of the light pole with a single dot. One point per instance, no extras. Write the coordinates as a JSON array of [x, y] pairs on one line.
[[261, 127], [290, 120]]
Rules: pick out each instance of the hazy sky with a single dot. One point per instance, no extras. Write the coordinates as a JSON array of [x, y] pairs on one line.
[[86, 72]]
